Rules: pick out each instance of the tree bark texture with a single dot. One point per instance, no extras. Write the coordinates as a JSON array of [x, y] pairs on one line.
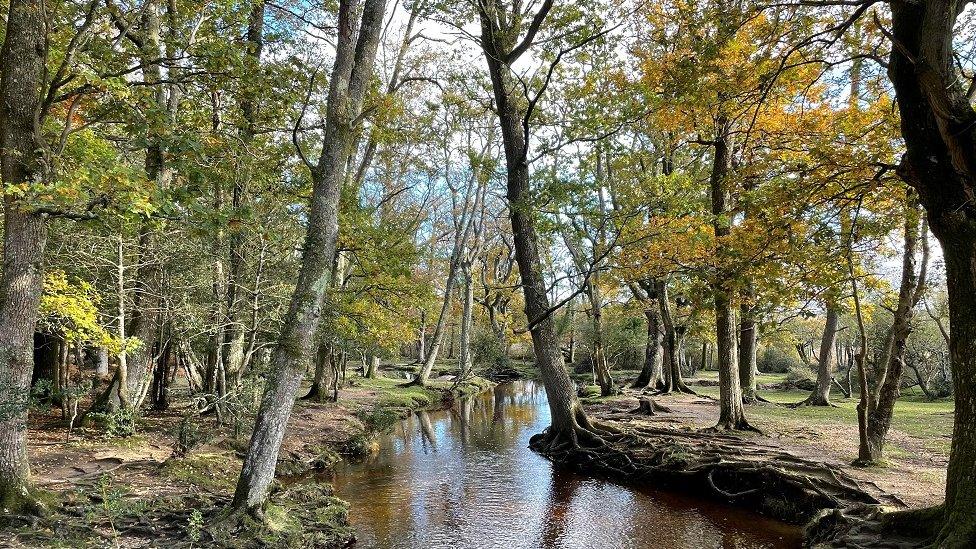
[[731, 411], [355, 54], [22, 61], [939, 129], [568, 417], [888, 383]]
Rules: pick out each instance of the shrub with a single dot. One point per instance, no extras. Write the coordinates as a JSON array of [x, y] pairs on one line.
[[121, 423], [189, 435], [774, 360], [801, 377], [487, 351]]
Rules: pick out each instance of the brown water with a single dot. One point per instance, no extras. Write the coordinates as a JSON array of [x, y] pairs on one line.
[[465, 478]]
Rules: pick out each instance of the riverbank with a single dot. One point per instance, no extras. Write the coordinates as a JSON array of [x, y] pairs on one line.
[[465, 477], [916, 453], [169, 481], [802, 452]]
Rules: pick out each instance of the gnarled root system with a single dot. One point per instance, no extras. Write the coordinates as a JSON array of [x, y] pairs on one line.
[[720, 465]]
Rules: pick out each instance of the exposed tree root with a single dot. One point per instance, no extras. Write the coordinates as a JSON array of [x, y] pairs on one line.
[[811, 401], [719, 464], [303, 514], [757, 399], [651, 385], [25, 506], [649, 407], [681, 389], [732, 426], [866, 526], [859, 462]]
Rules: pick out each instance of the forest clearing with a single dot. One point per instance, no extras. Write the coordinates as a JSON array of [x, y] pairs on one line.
[[488, 273]]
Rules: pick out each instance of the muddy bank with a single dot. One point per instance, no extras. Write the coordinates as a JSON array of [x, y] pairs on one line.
[[167, 484]]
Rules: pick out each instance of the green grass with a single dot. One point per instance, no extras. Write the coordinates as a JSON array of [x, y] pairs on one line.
[[396, 394], [762, 379], [915, 416]]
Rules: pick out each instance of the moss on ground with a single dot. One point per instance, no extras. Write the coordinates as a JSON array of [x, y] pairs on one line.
[[302, 512], [303, 515], [398, 399], [215, 470], [109, 514]]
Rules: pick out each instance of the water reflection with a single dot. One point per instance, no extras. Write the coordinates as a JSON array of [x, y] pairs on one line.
[[465, 478]]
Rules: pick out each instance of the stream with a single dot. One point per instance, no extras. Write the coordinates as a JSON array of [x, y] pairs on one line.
[[465, 478]]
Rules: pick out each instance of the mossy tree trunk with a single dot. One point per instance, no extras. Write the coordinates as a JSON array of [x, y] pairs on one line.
[[502, 43], [358, 38], [731, 410], [22, 61]]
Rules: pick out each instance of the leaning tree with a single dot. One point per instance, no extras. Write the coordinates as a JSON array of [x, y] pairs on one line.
[[352, 73], [506, 35]]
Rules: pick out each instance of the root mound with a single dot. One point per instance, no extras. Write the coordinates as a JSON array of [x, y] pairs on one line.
[[718, 465]]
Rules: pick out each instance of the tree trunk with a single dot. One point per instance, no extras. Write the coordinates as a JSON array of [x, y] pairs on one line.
[[144, 319], [862, 405], [882, 405], [101, 367], [216, 361], [465, 360], [747, 353], [233, 352], [731, 412], [24, 238], [652, 374], [324, 377], [437, 338], [825, 363], [937, 122], [352, 72], [673, 382], [463, 229], [600, 365], [373, 368], [568, 421], [159, 389], [422, 337]]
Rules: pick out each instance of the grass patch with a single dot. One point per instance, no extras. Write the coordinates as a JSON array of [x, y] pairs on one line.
[[930, 421]]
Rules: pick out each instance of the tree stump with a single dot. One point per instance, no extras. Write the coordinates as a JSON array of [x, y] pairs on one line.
[[648, 407]]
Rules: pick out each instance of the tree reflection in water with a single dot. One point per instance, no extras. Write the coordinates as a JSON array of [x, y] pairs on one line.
[[465, 478]]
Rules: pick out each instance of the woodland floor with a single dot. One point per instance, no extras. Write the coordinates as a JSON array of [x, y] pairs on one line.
[[917, 451], [161, 486]]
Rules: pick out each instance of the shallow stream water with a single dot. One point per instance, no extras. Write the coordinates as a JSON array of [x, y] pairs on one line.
[[465, 478]]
